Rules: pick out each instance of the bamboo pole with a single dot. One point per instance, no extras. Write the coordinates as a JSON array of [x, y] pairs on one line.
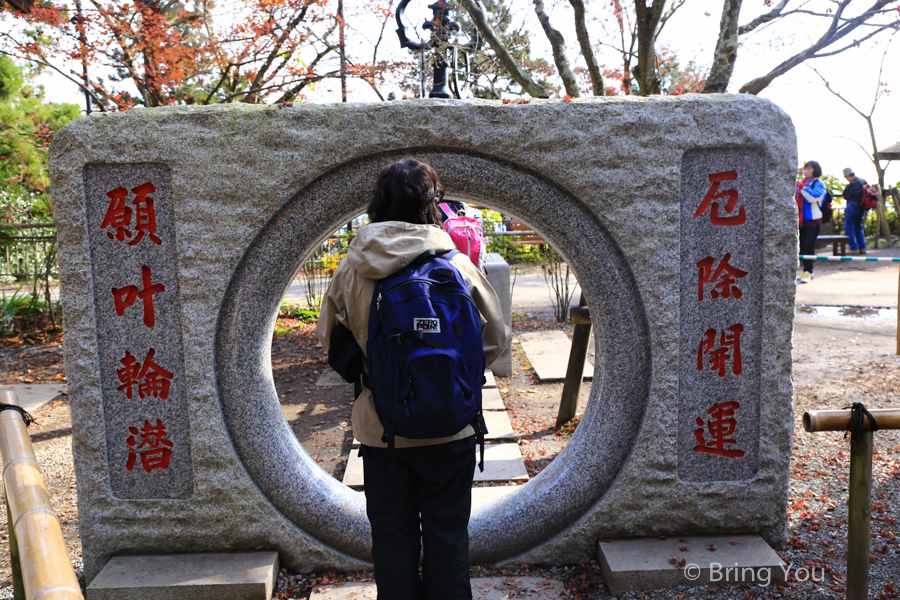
[[46, 570], [15, 565], [839, 420], [859, 518]]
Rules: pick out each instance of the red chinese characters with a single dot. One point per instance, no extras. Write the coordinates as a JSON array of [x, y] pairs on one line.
[[118, 215], [154, 449], [151, 379], [729, 349], [126, 296], [721, 427], [722, 278], [713, 194]]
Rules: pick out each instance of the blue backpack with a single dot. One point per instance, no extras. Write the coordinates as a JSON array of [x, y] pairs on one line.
[[425, 354]]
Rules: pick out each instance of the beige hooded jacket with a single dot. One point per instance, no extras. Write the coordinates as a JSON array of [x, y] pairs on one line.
[[379, 250]]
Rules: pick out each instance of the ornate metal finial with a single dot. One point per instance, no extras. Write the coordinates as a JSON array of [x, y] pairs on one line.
[[451, 48]]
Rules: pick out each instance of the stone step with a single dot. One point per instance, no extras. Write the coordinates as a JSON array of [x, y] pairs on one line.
[[200, 576], [490, 382], [644, 564], [491, 399], [502, 462], [548, 353], [483, 588], [499, 428]]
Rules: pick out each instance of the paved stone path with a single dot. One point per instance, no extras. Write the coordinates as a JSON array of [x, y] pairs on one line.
[[32, 396], [483, 588], [548, 352], [502, 459]]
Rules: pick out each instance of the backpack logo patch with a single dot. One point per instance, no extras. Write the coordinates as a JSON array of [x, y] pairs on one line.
[[427, 324]]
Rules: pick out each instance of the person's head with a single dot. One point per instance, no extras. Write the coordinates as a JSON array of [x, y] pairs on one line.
[[407, 190], [849, 175], [812, 169]]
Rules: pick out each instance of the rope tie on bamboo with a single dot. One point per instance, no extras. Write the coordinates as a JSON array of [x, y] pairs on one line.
[[858, 415], [25, 415]]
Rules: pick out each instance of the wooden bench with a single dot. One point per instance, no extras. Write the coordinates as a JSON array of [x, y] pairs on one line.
[[835, 240]]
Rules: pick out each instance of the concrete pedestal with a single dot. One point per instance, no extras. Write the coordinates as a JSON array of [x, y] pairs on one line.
[[201, 576]]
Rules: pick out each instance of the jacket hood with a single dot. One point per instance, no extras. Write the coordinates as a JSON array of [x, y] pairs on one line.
[[382, 249]]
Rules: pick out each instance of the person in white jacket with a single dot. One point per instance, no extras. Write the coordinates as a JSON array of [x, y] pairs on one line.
[[419, 493]]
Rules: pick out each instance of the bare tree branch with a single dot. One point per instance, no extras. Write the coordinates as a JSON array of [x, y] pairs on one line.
[[646, 71], [668, 15], [879, 169], [838, 29], [854, 44], [763, 19], [726, 49], [519, 76], [77, 81], [559, 51], [586, 49]]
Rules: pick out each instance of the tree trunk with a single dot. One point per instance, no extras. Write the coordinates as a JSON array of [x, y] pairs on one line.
[[559, 51], [646, 72], [586, 49], [503, 55], [726, 49]]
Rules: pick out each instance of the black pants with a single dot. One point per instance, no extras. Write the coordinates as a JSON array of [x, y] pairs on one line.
[[808, 237], [421, 496]]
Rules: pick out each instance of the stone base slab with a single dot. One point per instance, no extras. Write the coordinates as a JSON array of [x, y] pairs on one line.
[[201, 576], [644, 564]]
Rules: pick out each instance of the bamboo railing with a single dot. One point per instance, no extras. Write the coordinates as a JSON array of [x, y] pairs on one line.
[[34, 530]]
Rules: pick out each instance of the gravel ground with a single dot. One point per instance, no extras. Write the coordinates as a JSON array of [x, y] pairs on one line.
[[836, 362]]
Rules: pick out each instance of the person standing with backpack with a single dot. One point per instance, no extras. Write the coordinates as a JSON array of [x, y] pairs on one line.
[[854, 213], [810, 195], [406, 296]]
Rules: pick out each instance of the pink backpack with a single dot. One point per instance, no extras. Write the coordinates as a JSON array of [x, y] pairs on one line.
[[465, 231]]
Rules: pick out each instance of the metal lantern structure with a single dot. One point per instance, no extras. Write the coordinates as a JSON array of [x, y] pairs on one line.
[[450, 46]]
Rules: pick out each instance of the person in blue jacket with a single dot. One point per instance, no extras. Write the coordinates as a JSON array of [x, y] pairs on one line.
[[854, 215], [809, 197]]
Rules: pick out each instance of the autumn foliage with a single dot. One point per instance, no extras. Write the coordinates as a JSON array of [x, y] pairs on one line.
[[192, 52]]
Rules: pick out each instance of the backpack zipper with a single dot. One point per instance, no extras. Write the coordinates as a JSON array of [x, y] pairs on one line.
[[431, 283]]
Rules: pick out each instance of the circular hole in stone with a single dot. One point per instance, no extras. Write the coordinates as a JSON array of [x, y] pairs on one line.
[[311, 499], [522, 402]]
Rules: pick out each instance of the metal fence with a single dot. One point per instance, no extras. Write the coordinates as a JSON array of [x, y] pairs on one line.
[[27, 251]]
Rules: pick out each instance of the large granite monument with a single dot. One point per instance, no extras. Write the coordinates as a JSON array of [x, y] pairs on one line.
[[180, 228]]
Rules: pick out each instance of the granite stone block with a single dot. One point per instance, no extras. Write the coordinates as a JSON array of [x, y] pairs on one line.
[[247, 192]]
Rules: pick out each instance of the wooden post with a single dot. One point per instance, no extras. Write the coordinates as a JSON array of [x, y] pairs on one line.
[[882, 227], [581, 338], [895, 196], [859, 522], [860, 488]]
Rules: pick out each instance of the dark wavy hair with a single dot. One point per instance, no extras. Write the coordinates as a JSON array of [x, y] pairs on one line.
[[407, 190], [817, 169]]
